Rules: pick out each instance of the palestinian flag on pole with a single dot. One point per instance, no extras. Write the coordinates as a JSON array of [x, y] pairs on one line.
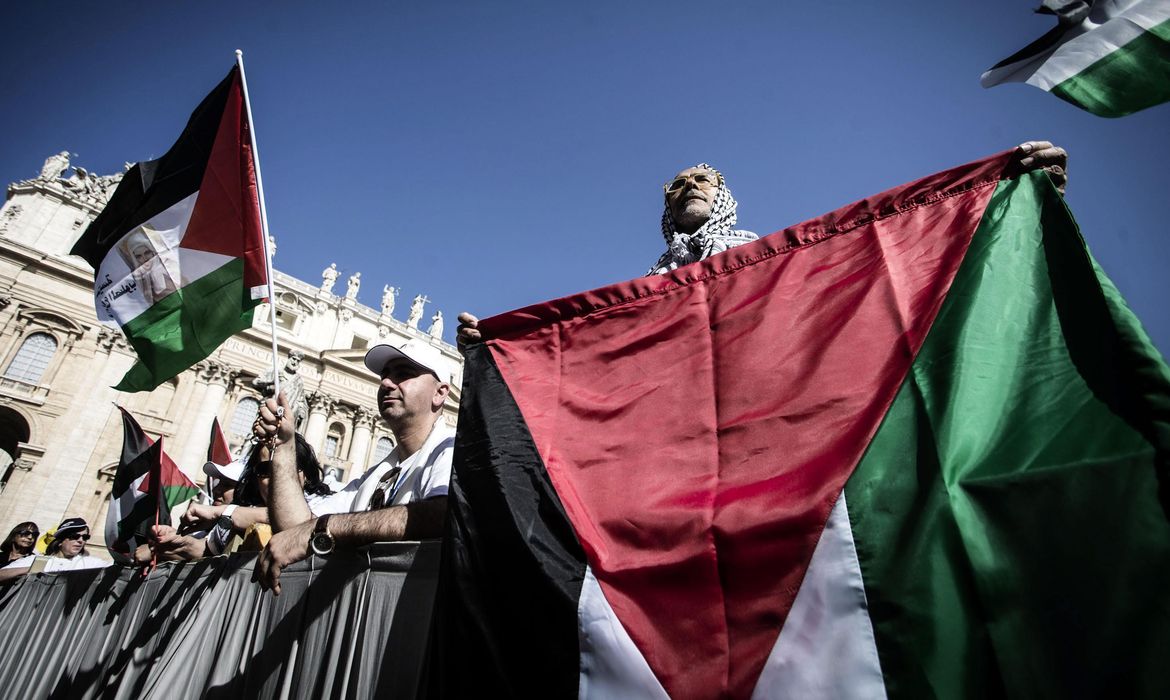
[[147, 485], [178, 250], [912, 448], [218, 451], [1110, 57]]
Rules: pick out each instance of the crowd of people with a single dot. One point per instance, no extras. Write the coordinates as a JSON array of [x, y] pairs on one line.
[[65, 550], [276, 501]]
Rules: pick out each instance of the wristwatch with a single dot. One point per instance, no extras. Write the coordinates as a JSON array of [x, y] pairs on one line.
[[321, 542], [225, 518]]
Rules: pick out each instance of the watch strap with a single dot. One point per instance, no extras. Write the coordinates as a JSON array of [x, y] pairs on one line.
[[322, 524]]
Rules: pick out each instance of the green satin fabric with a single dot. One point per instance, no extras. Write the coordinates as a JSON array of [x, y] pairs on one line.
[[1006, 515], [1132, 78]]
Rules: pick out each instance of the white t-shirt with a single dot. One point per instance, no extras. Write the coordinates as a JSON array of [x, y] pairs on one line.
[[56, 564], [425, 474]]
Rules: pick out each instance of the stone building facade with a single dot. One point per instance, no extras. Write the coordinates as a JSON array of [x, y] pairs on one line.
[[60, 434]]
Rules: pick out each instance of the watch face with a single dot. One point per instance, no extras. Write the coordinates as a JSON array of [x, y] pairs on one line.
[[322, 543]]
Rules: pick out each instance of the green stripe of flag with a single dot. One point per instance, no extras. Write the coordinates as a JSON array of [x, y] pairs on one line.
[[187, 326], [1125, 81], [1006, 515], [176, 494]]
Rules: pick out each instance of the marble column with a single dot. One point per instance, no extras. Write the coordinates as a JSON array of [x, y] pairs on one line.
[[320, 406], [359, 447], [197, 431]]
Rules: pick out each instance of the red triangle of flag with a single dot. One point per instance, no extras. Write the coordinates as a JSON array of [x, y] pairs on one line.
[[217, 448], [226, 217]]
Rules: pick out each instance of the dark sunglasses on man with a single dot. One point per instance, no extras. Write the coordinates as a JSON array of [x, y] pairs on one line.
[[701, 179]]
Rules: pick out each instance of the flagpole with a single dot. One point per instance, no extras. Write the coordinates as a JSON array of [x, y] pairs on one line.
[[160, 501], [263, 223]]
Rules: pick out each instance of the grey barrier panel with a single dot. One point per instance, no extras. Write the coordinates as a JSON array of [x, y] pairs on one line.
[[351, 625]]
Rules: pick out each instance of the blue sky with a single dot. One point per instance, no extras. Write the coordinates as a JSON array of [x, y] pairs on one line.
[[494, 155]]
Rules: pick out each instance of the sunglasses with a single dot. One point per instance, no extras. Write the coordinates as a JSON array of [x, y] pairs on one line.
[[75, 536], [701, 180], [27, 533]]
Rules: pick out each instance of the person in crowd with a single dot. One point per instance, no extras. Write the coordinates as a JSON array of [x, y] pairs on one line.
[[404, 497], [243, 517], [20, 543], [699, 216], [67, 552], [224, 480]]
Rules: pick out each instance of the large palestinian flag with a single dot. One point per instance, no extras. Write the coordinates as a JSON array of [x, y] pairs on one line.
[[912, 448], [147, 485], [178, 250], [1110, 57]]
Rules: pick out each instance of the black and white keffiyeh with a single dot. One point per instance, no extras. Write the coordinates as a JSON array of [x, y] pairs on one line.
[[715, 236]]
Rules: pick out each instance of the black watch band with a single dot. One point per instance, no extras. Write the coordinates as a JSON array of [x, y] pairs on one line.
[[321, 542]]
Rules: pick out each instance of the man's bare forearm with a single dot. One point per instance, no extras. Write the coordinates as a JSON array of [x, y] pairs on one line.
[[414, 521], [247, 516], [286, 498]]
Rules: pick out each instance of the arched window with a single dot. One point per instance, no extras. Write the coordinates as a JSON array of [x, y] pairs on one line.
[[333, 441], [32, 358], [244, 416], [382, 449]]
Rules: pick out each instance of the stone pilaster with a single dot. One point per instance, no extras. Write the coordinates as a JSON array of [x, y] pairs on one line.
[[213, 378], [320, 406], [363, 429]]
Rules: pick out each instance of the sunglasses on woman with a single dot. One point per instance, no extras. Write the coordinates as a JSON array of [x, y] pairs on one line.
[[75, 536], [27, 533]]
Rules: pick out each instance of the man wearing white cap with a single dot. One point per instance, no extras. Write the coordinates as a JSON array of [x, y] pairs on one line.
[[404, 497]]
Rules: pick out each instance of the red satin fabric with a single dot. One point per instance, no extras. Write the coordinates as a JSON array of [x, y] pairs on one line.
[[226, 218], [699, 425]]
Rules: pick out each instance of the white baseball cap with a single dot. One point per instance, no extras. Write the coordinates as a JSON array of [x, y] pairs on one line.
[[416, 351], [232, 471]]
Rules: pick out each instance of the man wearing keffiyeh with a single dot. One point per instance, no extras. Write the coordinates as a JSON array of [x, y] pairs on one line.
[[699, 218]]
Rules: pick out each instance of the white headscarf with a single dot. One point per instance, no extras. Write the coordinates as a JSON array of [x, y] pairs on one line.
[[716, 235]]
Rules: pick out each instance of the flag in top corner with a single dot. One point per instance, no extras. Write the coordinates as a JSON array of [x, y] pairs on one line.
[[178, 250], [1109, 57]]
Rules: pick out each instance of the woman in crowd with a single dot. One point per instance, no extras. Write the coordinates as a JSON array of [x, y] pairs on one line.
[[19, 543], [66, 552]]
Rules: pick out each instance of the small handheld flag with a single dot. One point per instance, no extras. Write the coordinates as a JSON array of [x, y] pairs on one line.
[[147, 484]]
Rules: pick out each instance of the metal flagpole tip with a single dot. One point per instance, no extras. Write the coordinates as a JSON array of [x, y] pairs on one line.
[[239, 53]]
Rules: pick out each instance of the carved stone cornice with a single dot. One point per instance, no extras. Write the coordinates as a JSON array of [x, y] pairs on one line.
[[320, 402], [109, 339], [214, 372], [365, 418]]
